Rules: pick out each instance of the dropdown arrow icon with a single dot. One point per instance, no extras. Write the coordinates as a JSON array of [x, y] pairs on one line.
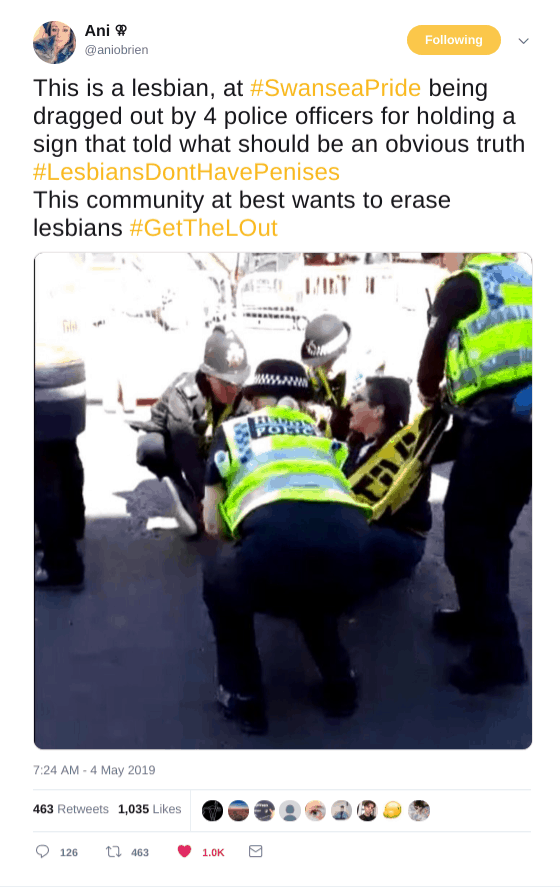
[[523, 41]]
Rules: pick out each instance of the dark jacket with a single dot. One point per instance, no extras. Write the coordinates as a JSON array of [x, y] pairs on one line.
[[339, 422], [182, 407], [188, 405], [457, 298]]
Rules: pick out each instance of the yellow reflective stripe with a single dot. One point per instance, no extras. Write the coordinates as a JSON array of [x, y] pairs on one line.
[[325, 382], [481, 259], [210, 415]]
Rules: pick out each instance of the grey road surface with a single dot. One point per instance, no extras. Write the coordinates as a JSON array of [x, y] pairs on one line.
[[129, 661]]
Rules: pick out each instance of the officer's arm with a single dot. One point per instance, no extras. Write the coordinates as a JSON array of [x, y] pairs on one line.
[[213, 522], [458, 297]]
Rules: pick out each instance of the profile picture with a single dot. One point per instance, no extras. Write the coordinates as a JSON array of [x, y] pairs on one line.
[[212, 811], [290, 811], [419, 811], [341, 810], [392, 810], [315, 810], [264, 810], [54, 42], [367, 811], [238, 811]]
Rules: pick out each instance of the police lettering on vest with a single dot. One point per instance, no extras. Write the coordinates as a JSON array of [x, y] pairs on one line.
[[264, 426], [277, 454]]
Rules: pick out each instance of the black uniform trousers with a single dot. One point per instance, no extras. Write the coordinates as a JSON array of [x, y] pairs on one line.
[[296, 559], [490, 482], [176, 456], [59, 506]]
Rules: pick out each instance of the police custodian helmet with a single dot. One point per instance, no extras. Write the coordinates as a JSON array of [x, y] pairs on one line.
[[225, 357], [326, 338]]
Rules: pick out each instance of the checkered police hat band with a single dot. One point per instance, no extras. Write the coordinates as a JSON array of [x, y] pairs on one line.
[[273, 381]]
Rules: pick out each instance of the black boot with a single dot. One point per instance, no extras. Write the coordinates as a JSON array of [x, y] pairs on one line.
[[481, 673], [453, 625], [248, 711], [339, 699], [60, 580]]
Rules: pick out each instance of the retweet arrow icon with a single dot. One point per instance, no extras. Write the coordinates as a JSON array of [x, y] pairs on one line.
[[522, 41]]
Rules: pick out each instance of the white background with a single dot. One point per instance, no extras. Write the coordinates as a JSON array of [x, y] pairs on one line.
[[497, 202]]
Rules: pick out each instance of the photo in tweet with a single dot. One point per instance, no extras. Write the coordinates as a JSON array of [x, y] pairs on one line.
[[274, 494]]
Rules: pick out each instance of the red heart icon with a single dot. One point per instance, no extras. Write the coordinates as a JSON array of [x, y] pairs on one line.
[[184, 850]]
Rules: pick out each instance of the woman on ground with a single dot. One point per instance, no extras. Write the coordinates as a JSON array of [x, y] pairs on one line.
[[395, 543]]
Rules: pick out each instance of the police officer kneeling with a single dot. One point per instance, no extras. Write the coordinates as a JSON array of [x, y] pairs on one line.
[[184, 420], [277, 487]]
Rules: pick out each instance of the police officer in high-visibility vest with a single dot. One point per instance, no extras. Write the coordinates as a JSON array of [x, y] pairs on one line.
[[275, 485], [480, 340]]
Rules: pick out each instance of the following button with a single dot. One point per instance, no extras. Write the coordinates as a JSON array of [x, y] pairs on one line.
[[454, 40]]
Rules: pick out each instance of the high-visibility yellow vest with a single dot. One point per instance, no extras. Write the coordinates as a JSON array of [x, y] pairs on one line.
[[205, 441], [493, 346], [330, 394], [275, 454]]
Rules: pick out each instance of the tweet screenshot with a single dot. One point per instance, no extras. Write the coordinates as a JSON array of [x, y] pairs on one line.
[[273, 265]]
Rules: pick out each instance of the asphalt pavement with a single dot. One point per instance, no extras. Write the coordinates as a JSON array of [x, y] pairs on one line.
[[129, 661]]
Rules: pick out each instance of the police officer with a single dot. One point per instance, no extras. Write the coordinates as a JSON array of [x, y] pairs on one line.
[[277, 487], [60, 416], [185, 418], [480, 340], [326, 343]]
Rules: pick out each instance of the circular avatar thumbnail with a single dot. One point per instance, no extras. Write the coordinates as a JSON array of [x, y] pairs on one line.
[[238, 811], [264, 810], [367, 811], [315, 810], [290, 811], [419, 811], [212, 811], [341, 810]]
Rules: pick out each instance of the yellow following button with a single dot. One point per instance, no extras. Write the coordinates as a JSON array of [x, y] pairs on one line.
[[454, 40]]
